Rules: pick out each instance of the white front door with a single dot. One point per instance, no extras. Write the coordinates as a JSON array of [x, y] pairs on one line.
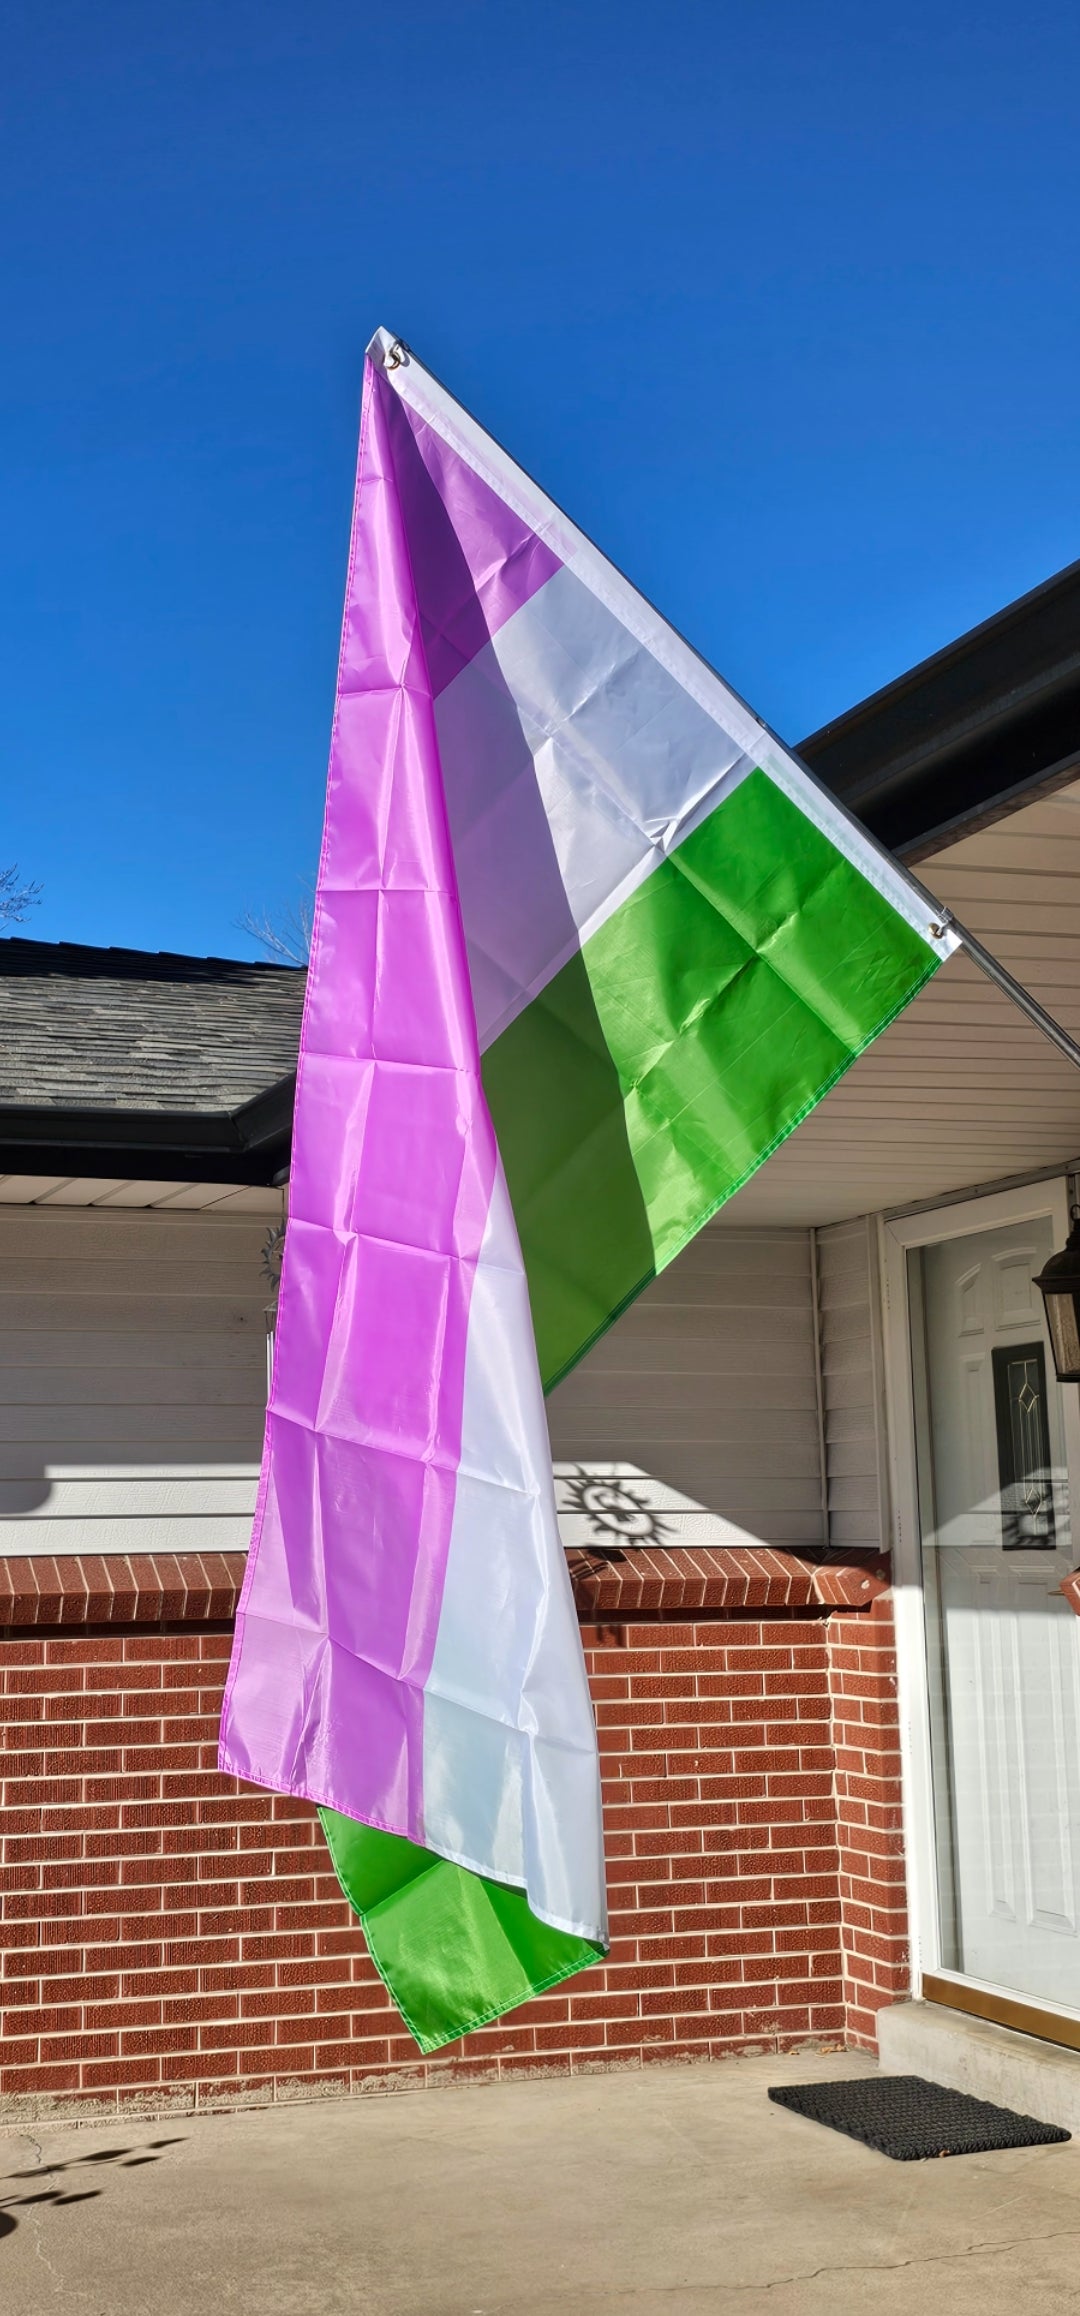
[[1003, 1645]]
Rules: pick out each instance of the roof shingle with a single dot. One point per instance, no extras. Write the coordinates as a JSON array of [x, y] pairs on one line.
[[124, 1029]]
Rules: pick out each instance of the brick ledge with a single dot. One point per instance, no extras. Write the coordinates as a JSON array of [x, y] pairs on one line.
[[122, 1588], [1070, 1586], [729, 1577], [203, 1587]]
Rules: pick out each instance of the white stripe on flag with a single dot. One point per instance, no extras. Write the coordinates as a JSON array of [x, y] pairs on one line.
[[511, 1787], [750, 736], [573, 762]]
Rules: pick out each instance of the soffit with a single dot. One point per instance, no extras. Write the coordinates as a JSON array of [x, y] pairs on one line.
[[166, 1197], [962, 1089]]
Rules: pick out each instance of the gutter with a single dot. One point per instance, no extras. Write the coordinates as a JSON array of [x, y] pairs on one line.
[[249, 1145], [970, 734]]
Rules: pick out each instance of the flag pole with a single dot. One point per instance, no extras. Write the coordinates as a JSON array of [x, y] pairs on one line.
[[1006, 981]]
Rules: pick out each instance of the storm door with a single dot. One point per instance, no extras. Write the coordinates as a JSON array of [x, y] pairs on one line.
[[1003, 1646]]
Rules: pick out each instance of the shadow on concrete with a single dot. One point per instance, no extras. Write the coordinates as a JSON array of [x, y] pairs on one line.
[[127, 2157]]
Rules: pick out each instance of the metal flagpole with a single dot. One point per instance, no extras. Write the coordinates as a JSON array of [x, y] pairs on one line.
[[1020, 996]]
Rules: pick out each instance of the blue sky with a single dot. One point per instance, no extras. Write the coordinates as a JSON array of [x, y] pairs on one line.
[[780, 302]]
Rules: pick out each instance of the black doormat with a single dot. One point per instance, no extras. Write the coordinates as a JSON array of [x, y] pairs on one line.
[[909, 2119]]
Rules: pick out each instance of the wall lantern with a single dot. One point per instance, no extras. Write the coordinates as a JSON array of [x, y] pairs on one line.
[[1059, 1285]]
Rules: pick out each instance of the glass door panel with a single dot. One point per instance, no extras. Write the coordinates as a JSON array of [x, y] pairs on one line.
[[1003, 1645]]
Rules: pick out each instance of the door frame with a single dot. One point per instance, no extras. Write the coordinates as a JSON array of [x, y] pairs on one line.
[[1047, 1200]]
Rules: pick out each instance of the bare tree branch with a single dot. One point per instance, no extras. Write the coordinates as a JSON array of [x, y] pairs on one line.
[[286, 936], [16, 899]]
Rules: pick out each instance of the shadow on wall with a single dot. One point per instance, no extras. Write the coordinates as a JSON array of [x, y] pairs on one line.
[[111, 1428], [608, 1507], [133, 1373], [603, 1507], [49, 1488], [133, 1479], [127, 2157]]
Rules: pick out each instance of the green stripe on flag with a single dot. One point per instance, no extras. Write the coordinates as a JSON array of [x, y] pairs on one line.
[[454, 1949], [685, 1041]]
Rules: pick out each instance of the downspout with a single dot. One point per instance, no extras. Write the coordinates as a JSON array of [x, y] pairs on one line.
[[819, 1385]]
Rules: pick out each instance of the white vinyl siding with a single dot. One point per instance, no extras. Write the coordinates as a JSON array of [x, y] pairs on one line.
[[852, 1383], [704, 1396], [132, 1379], [133, 1387]]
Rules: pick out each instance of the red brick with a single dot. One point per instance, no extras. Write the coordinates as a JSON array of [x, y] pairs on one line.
[[19, 2050], [739, 1703], [14, 2081], [81, 2046], [581, 2035]]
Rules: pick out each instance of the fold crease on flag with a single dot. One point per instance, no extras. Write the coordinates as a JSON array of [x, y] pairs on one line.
[[588, 945]]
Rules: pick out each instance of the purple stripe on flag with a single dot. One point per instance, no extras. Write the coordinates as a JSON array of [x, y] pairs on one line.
[[475, 561], [393, 1164]]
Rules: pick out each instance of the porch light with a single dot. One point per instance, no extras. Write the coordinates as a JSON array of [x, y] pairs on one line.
[[1059, 1285]]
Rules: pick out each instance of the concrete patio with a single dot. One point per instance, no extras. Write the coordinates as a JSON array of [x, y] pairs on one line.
[[673, 2192]]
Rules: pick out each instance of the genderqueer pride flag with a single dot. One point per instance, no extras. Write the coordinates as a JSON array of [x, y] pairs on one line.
[[588, 944]]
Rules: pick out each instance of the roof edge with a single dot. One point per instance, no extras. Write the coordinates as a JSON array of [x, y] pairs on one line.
[[247, 1146], [974, 729]]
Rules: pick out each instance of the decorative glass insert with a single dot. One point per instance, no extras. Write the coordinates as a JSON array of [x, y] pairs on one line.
[[1023, 1448]]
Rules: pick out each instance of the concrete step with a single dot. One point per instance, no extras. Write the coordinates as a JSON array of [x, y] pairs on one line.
[[991, 2062]]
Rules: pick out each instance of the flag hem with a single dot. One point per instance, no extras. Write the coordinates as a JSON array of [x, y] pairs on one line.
[[495, 467]]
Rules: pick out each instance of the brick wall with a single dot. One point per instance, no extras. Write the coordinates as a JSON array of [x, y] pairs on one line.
[[869, 1819], [721, 1846], [170, 1935]]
